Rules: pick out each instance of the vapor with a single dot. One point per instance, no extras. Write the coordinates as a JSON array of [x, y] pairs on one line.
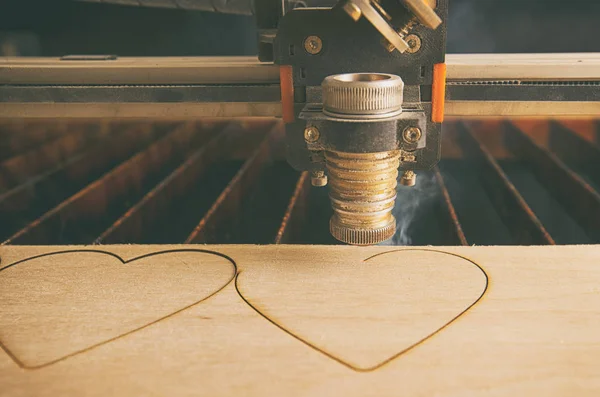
[[409, 204]]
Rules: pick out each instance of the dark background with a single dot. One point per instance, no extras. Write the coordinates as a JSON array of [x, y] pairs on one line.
[[60, 27]]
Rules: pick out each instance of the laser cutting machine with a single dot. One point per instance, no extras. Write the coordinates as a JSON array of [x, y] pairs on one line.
[[362, 87], [168, 225]]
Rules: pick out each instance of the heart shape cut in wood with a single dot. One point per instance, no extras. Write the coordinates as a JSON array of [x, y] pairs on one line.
[[364, 314], [57, 305]]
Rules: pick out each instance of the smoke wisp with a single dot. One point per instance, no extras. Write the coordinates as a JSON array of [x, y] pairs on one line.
[[410, 202]]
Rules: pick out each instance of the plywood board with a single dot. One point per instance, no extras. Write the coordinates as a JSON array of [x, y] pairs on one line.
[[299, 321]]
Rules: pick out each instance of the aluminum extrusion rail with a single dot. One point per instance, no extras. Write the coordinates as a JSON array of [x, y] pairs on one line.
[[190, 87]]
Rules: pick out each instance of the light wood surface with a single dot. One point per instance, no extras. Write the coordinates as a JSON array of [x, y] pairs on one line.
[[515, 109], [62, 304], [553, 66], [299, 321], [138, 70], [247, 69]]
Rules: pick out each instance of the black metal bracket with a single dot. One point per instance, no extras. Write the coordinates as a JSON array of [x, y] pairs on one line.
[[356, 47]]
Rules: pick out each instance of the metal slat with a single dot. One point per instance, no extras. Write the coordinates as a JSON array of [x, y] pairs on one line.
[[263, 207], [154, 206], [164, 198], [512, 207], [294, 217], [20, 168], [181, 215], [585, 128], [473, 205], [581, 155], [573, 192], [20, 136], [222, 214], [26, 202], [81, 217], [455, 232], [469, 198]]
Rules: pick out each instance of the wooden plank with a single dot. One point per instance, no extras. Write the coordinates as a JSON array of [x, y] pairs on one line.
[[572, 66], [138, 70], [247, 69], [515, 109], [300, 321]]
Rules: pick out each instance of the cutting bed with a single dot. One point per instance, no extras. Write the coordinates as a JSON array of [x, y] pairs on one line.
[[500, 182]]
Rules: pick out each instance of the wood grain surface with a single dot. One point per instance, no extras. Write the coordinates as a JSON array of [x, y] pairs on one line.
[[299, 321]]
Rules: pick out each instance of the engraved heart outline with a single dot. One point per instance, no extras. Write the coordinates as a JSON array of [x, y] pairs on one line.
[[395, 356], [124, 262]]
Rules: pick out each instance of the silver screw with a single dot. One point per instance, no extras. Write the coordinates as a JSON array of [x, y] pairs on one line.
[[411, 134], [318, 179], [313, 45], [311, 134]]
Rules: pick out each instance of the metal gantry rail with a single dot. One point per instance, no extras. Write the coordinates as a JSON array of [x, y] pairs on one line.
[[183, 87]]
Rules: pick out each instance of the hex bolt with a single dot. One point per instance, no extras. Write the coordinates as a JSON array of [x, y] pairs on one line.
[[352, 10], [414, 43], [311, 134], [318, 179], [411, 135], [313, 45], [409, 178]]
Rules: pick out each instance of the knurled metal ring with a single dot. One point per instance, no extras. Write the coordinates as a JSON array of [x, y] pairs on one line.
[[354, 236], [362, 94]]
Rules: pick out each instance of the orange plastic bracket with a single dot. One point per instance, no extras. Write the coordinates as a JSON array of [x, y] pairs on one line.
[[438, 93], [287, 93]]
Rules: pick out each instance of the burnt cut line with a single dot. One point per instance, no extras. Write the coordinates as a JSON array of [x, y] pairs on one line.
[[21, 364], [394, 356]]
